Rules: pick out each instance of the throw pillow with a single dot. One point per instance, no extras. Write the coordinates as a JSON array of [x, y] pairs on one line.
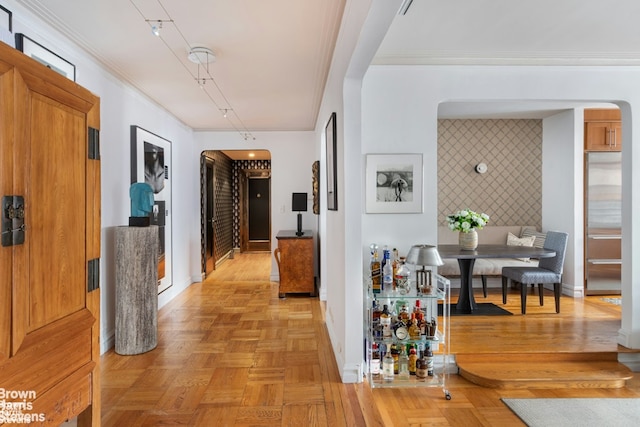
[[513, 240], [539, 237]]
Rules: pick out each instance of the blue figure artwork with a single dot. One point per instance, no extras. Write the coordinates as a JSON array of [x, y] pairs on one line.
[[141, 195]]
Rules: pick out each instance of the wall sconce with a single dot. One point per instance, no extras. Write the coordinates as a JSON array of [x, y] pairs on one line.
[[481, 168]]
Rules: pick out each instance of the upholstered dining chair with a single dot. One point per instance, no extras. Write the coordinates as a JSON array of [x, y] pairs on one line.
[[549, 270]]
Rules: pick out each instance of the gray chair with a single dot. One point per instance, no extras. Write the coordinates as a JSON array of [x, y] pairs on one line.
[[549, 270]]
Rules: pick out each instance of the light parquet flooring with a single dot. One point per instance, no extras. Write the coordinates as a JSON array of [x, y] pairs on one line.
[[231, 353]]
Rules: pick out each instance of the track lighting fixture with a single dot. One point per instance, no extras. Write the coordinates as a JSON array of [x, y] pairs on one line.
[[156, 25], [202, 57]]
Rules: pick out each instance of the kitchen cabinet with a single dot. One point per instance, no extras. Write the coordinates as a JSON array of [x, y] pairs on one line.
[[602, 130]]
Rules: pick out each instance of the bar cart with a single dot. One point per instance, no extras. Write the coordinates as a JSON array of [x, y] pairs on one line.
[[390, 324]]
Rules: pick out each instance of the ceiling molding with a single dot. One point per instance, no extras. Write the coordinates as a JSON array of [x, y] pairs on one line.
[[508, 58]]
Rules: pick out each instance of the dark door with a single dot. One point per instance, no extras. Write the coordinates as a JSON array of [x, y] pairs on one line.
[[258, 209], [209, 217], [255, 212]]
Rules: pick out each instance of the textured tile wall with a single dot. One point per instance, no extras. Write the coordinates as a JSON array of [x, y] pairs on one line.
[[223, 205], [510, 192]]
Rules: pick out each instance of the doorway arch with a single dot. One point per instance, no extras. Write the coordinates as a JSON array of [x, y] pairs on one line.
[[221, 189]]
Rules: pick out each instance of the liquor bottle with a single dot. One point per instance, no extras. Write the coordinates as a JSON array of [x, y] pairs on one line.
[[417, 308], [375, 361], [428, 355], [403, 313], [375, 269], [414, 329], [401, 330], [401, 278], [385, 322], [422, 325], [376, 328], [385, 251], [420, 349], [403, 365], [413, 359], [421, 369], [395, 264], [432, 327], [395, 355], [387, 366], [387, 273]]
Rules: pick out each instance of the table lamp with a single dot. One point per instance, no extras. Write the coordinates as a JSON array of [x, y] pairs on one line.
[[299, 204], [423, 255]]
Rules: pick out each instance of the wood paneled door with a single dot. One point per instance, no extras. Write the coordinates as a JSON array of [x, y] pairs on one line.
[[49, 267]]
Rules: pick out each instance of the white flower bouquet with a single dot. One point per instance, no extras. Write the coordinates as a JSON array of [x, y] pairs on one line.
[[466, 220]]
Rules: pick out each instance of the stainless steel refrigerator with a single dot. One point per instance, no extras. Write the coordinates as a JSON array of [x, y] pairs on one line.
[[603, 222]]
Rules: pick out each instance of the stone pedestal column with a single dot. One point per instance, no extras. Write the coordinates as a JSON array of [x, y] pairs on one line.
[[136, 289]]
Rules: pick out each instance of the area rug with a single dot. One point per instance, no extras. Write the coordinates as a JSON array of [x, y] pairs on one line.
[[615, 300], [582, 412], [484, 309]]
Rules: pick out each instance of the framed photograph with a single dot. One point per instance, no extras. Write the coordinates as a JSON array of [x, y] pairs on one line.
[[393, 183], [45, 56], [151, 163], [332, 163]]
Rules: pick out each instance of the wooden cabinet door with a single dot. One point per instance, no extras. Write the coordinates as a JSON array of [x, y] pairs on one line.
[[296, 265], [603, 136], [47, 312]]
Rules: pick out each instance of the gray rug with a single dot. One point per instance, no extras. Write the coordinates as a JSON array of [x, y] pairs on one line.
[[600, 412]]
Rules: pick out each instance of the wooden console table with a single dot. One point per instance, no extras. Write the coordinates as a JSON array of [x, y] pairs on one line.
[[294, 256]]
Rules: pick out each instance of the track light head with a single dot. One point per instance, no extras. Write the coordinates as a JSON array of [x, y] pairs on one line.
[[156, 25]]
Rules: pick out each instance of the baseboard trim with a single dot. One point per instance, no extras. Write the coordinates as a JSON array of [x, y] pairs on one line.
[[630, 360]]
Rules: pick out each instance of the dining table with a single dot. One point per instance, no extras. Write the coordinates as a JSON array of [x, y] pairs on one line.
[[466, 259]]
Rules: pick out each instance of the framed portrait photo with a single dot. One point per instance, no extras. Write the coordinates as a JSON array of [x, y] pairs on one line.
[[332, 163], [151, 164], [393, 183]]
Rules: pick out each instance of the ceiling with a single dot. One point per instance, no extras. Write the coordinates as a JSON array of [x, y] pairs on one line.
[[272, 56]]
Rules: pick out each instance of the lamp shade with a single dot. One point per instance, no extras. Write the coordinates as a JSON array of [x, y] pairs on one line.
[[299, 202], [424, 255]]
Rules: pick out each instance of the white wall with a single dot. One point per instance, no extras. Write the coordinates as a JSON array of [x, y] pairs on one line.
[[562, 190], [363, 25]]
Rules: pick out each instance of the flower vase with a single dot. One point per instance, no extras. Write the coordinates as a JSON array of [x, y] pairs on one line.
[[469, 240]]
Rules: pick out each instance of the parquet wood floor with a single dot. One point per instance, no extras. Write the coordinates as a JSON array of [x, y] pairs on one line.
[[231, 353]]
